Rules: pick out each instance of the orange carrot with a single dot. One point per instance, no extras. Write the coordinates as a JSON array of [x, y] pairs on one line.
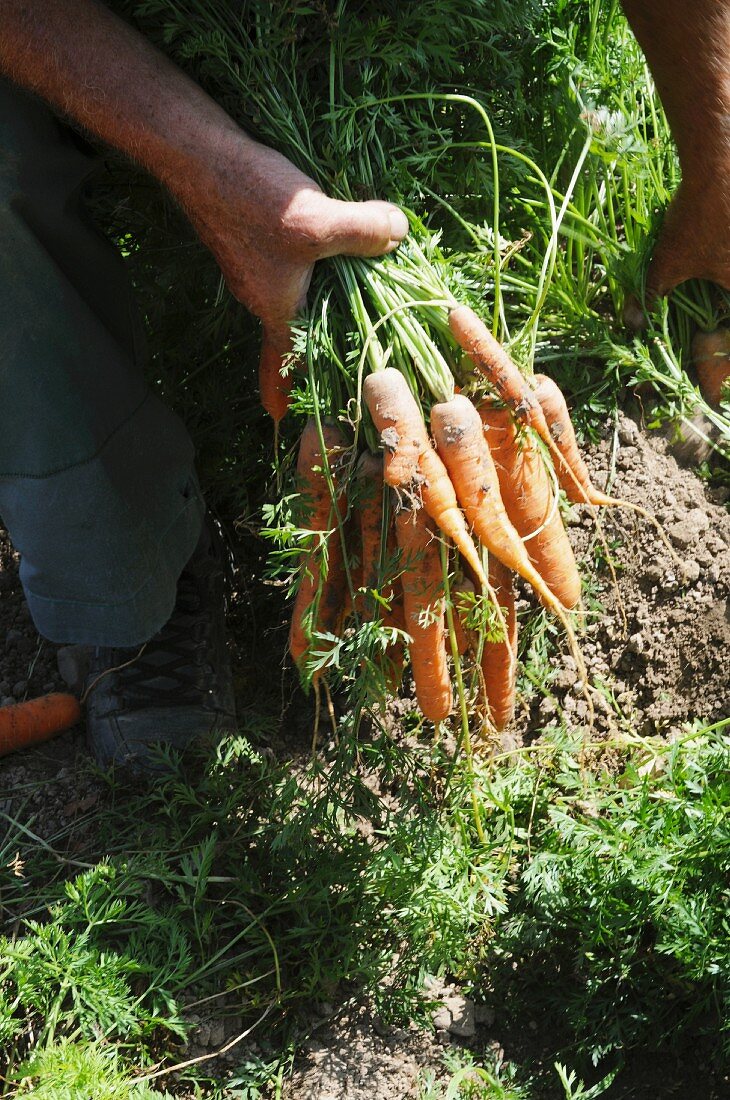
[[499, 659], [398, 419], [422, 581], [711, 358], [318, 608], [411, 466], [570, 468], [529, 500], [37, 720], [395, 653], [369, 505], [492, 360], [370, 512], [459, 434]]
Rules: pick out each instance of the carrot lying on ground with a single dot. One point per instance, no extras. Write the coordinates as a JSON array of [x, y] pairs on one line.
[[411, 466], [37, 720], [315, 609], [422, 581], [711, 358], [494, 363], [499, 659], [529, 500]]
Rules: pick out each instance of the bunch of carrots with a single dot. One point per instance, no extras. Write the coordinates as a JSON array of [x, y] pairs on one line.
[[490, 472]]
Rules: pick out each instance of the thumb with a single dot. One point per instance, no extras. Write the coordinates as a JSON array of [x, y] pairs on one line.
[[366, 229]]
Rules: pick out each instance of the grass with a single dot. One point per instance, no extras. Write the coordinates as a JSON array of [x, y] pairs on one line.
[[245, 886], [257, 889]]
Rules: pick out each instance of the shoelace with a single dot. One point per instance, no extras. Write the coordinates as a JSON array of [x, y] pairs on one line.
[[173, 669]]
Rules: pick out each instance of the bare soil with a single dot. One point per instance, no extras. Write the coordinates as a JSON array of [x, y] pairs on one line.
[[665, 667], [667, 663]]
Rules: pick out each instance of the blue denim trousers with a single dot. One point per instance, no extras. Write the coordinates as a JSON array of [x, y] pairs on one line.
[[97, 484]]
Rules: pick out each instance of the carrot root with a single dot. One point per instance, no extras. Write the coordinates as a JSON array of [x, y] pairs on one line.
[[411, 466], [319, 603], [37, 720], [424, 612]]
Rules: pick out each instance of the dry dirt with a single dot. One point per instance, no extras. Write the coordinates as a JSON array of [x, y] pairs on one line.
[[667, 664], [667, 667]]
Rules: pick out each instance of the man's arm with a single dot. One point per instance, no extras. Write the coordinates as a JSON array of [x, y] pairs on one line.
[[265, 222], [687, 46]]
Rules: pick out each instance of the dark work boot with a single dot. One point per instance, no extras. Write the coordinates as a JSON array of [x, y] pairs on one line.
[[179, 687]]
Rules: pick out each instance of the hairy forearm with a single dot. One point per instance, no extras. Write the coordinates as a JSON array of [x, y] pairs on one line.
[[687, 46], [96, 70]]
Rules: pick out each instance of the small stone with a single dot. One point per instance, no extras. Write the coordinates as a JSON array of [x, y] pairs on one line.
[[20, 688], [441, 1018], [548, 707], [682, 533], [686, 530], [628, 433], [443, 1037], [202, 1034], [73, 664], [636, 643], [324, 1009], [691, 570], [463, 1023], [13, 636], [217, 1034]]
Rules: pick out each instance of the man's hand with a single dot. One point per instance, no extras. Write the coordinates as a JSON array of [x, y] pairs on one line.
[[264, 220], [267, 223]]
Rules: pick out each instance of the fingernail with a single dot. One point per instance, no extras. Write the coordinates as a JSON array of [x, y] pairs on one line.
[[398, 224]]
